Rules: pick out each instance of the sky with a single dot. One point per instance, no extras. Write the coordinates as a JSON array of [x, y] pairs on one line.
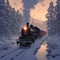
[[37, 8]]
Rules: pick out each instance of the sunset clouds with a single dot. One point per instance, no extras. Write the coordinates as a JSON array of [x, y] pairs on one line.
[[38, 11], [17, 4]]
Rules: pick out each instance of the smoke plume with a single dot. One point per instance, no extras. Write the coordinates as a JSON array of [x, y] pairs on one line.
[[28, 4]]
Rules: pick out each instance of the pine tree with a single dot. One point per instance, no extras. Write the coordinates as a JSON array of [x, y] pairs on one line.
[[2, 16], [57, 24], [51, 17], [14, 19], [10, 20]]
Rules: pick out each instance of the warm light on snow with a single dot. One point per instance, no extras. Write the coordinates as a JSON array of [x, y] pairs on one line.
[[41, 54]]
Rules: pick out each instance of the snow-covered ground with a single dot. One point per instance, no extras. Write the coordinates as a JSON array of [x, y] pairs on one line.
[[10, 51], [53, 48]]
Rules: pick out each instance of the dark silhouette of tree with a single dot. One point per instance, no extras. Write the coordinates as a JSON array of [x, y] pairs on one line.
[[54, 19], [51, 18], [57, 25]]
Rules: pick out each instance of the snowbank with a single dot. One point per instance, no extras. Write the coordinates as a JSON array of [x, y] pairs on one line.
[[16, 53], [53, 48]]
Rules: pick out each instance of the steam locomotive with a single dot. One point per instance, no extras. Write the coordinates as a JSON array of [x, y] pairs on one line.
[[28, 36]]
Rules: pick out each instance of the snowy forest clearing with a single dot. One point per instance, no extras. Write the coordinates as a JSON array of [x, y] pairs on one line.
[[11, 22]]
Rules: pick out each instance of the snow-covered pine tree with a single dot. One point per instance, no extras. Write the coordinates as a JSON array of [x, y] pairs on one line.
[[2, 17], [51, 17], [57, 24], [10, 20], [14, 18]]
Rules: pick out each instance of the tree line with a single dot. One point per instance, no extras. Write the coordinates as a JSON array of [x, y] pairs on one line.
[[10, 20], [53, 16]]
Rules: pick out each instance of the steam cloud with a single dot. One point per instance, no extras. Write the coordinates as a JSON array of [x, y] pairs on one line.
[[28, 4]]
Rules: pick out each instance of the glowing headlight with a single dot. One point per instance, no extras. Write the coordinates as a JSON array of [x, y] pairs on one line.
[[25, 27]]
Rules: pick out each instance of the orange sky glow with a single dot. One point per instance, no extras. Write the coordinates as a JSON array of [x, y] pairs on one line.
[[38, 12]]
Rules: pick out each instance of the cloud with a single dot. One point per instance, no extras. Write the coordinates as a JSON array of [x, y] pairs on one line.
[[17, 4], [28, 4], [24, 6], [40, 10]]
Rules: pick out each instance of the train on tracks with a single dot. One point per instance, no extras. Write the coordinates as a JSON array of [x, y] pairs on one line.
[[28, 36]]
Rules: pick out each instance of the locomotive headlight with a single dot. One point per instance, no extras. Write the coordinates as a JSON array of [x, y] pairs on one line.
[[25, 28]]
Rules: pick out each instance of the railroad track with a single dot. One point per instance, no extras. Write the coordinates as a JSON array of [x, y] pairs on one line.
[[9, 52], [11, 55], [17, 55]]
